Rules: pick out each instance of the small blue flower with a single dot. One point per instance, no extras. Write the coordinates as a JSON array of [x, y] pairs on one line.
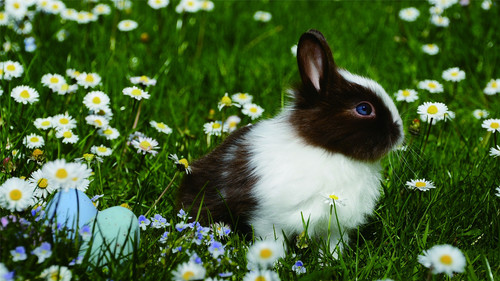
[[143, 222], [181, 226], [183, 215], [18, 254], [43, 252], [96, 197], [226, 274], [78, 260], [29, 44], [158, 221], [85, 232], [164, 237], [298, 267], [216, 249]]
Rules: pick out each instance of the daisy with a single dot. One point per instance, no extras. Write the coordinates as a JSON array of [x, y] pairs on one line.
[[480, 113], [495, 152], [59, 173], [189, 271], [492, 87], [443, 259], [443, 4], [158, 4], [52, 80], [161, 127], [293, 50], [334, 199], [492, 125], [252, 110], [12, 69], [80, 176], [408, 95], [242, 98], [40, 184], [231, 123], [65, 88], [440, 21], [63, 122], [422, 184], [262, 16], [144, 80], [67, 136], [135, 93], [88, 80], [70, 14], [409, 14], [436, 10], [486, 4], [109, 133], [430, 49], [16, 9], [453, 74], [432, 86], [432, 111], [4, 18], [16, 195], [145, 145], [18, 254], [261, 275], [43, 252], [127, 25], [213, 128], [206, 5], [33, 141], [73, 73], [101, 9], [181, 164], [190, 6], [264, 253], [101, 150], [498, 191], [226, 102], [105, 112], [55, 7], [24, 94], [56, 272], [97, 121], [122, 4]]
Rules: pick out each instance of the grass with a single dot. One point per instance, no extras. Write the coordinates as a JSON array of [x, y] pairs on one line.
[[227, 51]]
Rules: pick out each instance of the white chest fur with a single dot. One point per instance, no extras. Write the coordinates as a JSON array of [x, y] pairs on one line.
[[295, 179]]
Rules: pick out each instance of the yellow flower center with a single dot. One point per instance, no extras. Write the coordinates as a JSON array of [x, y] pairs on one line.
[[16, 6], [98, 122], [432, 109], [226, 100], [15, 195], [145, 78], [184, 162], [446, 259], [11, 67], [260, 278], [64, 121], [89, 78], [406, 93], [42, 183], [67, 134], [136, 92], [216, 125], [495, 125], [454, 74], [34, 139], [190, 3], [242, 96], [64, 87], [61, 173], [253, 109], [88, 157], [25, 94], [37, 152], [55, 276], [96, 100], [334, 197], [54, 80], [187, 275], [108, 132], [46, 123], [160, 125], [420, 184], [102, 149], [233, 124], [145, 145], [266, 253], [494, 84], [432, 85]]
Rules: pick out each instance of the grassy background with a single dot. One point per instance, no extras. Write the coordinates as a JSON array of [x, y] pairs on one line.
[[227, 51]]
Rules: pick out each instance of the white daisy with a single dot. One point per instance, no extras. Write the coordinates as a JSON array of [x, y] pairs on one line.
[[56, 272], [16, 9], [122, 4], [97, 121], [226, 101], [492, 87], [144, 80], [135, 93], [495, 152], [73, 73], [59, 173], [16, 195], [189, 271], [293, 49], [65, 88], [430, 49], [101, 150], [231, 123], [109, 133], [408, 95], [24, 94], [261, 275], [4, 18], [88, 80], [443, 4], [409, 14], [101, 9], [190, 6], [40, 184], [12, 69], [265, 253], [33, 141], [158, 4], [486, 4], [52, 81], [492, 125], [161, 127], [242, 98], [420, 184], [206, 5], [80, 177], [480, 113], [145, 145], [69, 14], [262, 16], [252, 110], [181, 164], [334, 199], [498, 191], [453, 74], [436, 10], [127, 25], [443, 259], [432, 86], [63, 122], [440, 21], [67, 136], [213, 128], [55, 7], [432, 111]]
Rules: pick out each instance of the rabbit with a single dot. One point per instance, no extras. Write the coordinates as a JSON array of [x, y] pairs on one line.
[[324, 148]]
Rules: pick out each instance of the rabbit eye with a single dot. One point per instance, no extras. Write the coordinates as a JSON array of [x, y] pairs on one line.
[[364, 109]]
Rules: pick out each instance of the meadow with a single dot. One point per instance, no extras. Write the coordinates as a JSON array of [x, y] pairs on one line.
[[195, 57]]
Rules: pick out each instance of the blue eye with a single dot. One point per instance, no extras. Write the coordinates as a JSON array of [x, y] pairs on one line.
[[364, 109]]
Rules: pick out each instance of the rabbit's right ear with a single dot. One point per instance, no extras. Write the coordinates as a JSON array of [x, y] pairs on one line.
[[316, 65]]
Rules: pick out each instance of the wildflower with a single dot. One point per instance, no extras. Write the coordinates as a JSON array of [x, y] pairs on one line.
[[189, 271], [85, 232], [96, 100], [221, 230], [436, 10], [409, 14], [97, 121], [73, 73], [213, 128], [492, 125], [77, 260], [122, 4], [190, 6], [262, 16], [101, 9], [216, 249], [440, 21], [65, 88], [242, 98], [4, 18], [231, 123], [33, 141], [109, 133], [105, 112], [182, 214], [226, 102], [127, 25], [67, 136], [206, 5], [443, 259], [408, 95], [431, 86], [181, 164], [12, 69], [492, 87], [421, 184], [164, 237], [495, 152], [430, 49], [101, 150], [261, 275], [432, 111], [18, 254], [16, 9], [63, 122], [40, 184], [16, 195], [80, 176], [144, 80], [135, 93], [158, 4], [59, 173], [333, 199], [29, 44], [24, 94], [5, 275], [158, 221], [252, 110], [143, 222], [498, 191], [88, 80], [264, 253], [181, 226], [486, 4], [161, 127], [299, 268], [443, 4], [52, 81], [56, 272], [453, 74], [146, 145], [480, 113], [43, 252]]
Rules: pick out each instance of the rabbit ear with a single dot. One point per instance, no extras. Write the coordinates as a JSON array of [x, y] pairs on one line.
[[315, 60]]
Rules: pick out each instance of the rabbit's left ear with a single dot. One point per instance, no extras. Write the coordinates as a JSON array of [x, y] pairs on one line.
[[316, 65]]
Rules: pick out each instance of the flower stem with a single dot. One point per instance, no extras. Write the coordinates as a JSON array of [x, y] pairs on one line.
[[163, 193], [137, 116], [427, 135]]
